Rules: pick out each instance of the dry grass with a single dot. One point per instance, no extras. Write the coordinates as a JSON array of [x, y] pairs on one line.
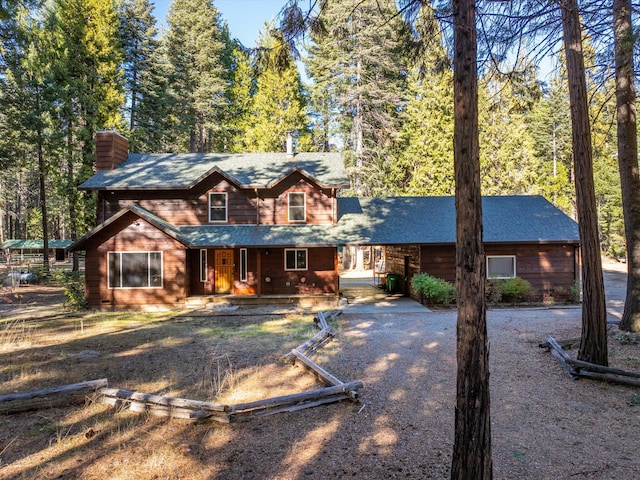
[[544, 425]]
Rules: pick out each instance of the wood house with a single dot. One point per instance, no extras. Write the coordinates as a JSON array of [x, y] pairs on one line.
[[174, 227], [524, 236]]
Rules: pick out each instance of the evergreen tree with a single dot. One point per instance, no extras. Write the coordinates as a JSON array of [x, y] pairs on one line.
[[138, 33], [278, 105], [89, 84], [241, 91], [362, 51], [423, 159], [198, 49], [508, 165], [549, 125]]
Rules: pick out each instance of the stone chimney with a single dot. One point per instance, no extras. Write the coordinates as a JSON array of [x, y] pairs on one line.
[[111, 150], [289, 145]]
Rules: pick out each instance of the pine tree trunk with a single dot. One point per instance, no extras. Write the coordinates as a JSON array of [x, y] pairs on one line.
[[628, 158], [593, 344], [472, 446]]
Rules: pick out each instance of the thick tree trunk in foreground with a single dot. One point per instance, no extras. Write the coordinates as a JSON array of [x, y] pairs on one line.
[[593, 343], [628, 158], [472, 447]]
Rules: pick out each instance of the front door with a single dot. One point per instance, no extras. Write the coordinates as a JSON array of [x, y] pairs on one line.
[[224, 271]]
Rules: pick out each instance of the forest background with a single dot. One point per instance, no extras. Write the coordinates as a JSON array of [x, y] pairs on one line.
[[378, 88]]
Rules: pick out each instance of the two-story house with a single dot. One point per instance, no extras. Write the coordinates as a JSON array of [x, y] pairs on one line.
[[173, 226], [178, 227]]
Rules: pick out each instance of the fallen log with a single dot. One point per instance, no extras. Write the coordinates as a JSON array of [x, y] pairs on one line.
[[61, 396]]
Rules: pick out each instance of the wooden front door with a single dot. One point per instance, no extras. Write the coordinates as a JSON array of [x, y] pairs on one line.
[[224, 271]]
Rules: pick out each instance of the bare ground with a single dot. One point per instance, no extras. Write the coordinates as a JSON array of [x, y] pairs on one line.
[[544, 425]]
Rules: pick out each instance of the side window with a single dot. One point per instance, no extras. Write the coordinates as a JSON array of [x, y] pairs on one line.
[[203, 265], [134, 269], [218, 207], [503, 266], [295, 259], [243, 264], [297, 207]]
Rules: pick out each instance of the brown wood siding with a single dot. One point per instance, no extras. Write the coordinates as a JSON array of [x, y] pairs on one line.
[[127, 236], [321, 277], [546, 267], [274, 204], [250, 286], [192, 207]]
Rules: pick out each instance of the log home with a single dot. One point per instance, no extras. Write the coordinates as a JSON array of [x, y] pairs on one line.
[[177, 227]]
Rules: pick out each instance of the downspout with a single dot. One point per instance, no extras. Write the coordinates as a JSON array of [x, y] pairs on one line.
[[257, 206], [334, 201]]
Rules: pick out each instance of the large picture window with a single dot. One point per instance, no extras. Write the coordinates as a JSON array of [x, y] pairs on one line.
[[218, 207], [295, 259], [135, 269], [297, 207], [503, 266]]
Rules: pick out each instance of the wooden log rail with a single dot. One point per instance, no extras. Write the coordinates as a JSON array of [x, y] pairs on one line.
[[175, 407], [60, 396], [580, 368]]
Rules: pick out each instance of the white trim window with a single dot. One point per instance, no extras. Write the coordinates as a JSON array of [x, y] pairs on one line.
[[243, 264], [134, 269], [218, 211], [297, 206], [295, 259], [501, 266], [203, 265]]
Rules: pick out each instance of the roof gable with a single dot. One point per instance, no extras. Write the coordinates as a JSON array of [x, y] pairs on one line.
[[250, 170]]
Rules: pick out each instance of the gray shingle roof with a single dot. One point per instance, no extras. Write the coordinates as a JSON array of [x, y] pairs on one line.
[[184, 170], [383, 221], [406, 220]]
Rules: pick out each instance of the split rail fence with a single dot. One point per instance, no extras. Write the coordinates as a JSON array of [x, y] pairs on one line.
[[335, 390], [581, 369]]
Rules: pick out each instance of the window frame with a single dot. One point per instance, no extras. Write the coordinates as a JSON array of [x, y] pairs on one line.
[[296, 267], [514, 272], [226, 207], [303, 207], [149, 285], [204, 266], [243, 264]]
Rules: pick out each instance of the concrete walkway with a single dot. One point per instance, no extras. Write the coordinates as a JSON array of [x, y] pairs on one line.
[[359, 295]]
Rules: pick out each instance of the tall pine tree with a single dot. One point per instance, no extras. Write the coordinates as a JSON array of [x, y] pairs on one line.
[[198, 49]]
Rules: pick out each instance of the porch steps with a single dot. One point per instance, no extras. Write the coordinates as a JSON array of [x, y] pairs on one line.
[[229, 301]]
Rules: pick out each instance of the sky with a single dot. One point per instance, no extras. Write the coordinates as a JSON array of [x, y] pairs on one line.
[[244, 17]]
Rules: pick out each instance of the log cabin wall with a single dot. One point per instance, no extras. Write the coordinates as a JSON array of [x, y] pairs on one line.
[[134, 235]]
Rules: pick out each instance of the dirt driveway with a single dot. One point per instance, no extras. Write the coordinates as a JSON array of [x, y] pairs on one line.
[[544, 425]]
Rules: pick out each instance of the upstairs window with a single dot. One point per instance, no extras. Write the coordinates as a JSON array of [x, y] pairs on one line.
[[297, 207], [503, 266], [135, 269], [218, 207], [295, 259]]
